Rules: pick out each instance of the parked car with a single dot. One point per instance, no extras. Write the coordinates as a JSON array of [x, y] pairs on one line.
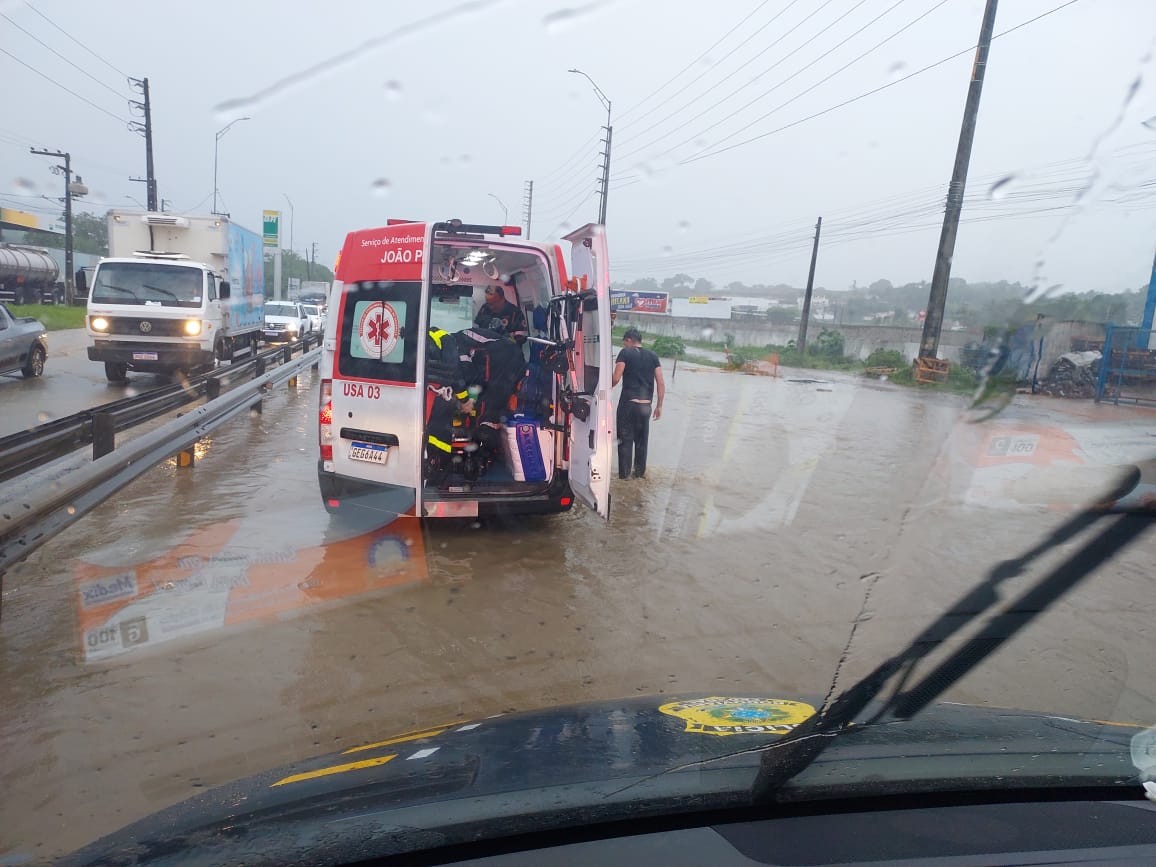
[[285, 321], [23, 345]]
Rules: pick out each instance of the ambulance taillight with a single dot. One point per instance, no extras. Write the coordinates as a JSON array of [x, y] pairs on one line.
[[325, 420], [510, 230]]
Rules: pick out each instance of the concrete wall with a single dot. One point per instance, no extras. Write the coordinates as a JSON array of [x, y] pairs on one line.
[[859, 340]]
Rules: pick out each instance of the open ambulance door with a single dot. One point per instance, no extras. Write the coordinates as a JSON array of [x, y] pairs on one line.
[[591, 427]]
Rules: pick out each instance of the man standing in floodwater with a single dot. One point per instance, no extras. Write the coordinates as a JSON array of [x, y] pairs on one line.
[[639, 371]]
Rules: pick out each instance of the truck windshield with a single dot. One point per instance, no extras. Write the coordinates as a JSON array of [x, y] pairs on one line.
[[165, 284]]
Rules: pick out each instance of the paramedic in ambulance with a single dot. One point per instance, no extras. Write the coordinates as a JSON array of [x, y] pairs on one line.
[[498, 314], [446, 397], [639, 371]]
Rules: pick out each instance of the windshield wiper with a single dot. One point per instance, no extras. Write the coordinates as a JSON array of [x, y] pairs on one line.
[[161, 291], [785, 759], [97, 289]]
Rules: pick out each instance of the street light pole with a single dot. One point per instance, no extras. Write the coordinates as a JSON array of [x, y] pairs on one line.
[[605, 181], [70, 189], [505, 210], [290, 201], [216, 147]]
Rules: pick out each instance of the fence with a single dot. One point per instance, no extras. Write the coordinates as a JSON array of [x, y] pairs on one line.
[[1128, 366]]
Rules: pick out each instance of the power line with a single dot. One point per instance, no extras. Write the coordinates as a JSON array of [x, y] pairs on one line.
[[706, 72], [698, 59], [711, 153], [62, 87], [77, 41], [61, 56], [742, 87], [570, 159], [814, 86], [566, 219]]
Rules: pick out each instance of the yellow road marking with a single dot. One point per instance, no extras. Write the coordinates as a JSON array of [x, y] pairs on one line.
[[400, 739], [335, 769]]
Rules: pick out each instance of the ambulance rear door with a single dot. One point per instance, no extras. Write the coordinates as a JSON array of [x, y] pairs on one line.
[[592, 425], [379, 358]]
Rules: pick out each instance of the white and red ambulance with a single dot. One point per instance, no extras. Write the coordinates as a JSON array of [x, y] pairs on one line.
[[398, 283]]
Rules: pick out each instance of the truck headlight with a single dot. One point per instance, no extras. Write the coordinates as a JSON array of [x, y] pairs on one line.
[[192, 327], [98, 323]]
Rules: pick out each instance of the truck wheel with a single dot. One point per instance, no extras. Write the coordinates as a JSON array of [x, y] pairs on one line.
[[222, 353], [116, 371], [35, 365]]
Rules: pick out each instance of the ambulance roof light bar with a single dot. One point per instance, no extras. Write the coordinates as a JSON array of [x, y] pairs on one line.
[[457, 227]]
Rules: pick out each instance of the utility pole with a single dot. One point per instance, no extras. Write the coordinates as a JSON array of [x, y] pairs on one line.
[[290, 201], [528, 205], [312, 259], [146, 129], [605, 169], [801, 343], [604, 183], [69, 190], [937, 300]]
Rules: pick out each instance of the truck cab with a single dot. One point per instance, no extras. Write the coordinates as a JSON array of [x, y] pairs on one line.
[[406, 291], [177, 293]]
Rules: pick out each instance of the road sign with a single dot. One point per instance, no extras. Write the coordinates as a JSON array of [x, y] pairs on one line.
[[272, 228]]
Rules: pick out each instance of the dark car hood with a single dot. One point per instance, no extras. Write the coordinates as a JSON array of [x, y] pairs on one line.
[[604, 761]]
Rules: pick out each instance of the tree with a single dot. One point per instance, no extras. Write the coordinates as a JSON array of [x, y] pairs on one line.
[[644, 284], [880, 287], [89, 235], [293, 265], [702, 286], [677, 283]]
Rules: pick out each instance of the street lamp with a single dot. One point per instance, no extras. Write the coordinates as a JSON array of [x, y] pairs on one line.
[[505, 210], [216, 146], [290, 201], [605, 100]]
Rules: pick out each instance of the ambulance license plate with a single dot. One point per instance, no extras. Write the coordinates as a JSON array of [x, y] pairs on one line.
[[371, 453], [144, 356]]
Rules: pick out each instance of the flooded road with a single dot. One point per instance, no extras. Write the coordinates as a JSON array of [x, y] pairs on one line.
[[777, 516], [70, 383]]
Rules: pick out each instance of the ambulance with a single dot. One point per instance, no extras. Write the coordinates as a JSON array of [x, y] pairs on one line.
[[395, 286]]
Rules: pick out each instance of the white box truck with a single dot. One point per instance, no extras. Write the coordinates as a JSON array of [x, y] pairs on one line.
[[175, 293]]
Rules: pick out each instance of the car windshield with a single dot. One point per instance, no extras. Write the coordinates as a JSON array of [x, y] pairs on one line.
[[729, 374], [146, 283]]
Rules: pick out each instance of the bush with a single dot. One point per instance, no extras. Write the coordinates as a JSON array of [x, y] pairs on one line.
[[669, 347], [828, 344], [885, 358]]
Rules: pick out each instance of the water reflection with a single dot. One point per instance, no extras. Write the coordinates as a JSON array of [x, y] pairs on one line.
[[218, 578]]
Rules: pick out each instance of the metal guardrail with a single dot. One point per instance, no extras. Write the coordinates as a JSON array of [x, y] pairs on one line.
[[27, 450], [29, 522]]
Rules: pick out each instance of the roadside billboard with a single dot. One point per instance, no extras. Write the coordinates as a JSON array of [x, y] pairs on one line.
[[622, 301], [702, 307]]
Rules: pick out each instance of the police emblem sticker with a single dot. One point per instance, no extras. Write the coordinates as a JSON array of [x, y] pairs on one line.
[[739, 716]]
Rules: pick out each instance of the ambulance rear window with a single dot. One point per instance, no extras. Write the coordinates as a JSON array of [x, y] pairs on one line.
[[378, 331]]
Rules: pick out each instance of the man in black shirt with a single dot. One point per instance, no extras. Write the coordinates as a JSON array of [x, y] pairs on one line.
[[498, 314], [639, 371]]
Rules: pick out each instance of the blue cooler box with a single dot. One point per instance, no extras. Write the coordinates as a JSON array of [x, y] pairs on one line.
[[529, 450]]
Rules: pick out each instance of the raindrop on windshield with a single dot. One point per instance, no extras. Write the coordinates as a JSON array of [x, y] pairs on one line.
[[1150, 123], [667, 249], [23, 185], [683, 226], [896, 70], [558, 20], [42, 417], [71, 510], [707, 333], [1001, 187], [393, 90], [380, 187]]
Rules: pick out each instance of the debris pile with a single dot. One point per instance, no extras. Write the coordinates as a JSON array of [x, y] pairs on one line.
[[1073, 375]]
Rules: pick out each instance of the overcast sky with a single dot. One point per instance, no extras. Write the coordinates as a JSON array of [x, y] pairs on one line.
[[362, 111]]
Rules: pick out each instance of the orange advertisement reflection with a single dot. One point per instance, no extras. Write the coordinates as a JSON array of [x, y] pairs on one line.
[[216, 579]]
